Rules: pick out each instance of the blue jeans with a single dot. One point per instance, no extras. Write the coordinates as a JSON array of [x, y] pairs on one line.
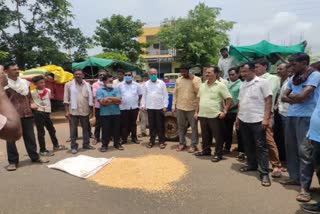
[[299, 150], [316, 158]]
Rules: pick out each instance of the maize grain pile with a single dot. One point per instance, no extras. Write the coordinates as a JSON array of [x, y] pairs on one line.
[[150, 173]]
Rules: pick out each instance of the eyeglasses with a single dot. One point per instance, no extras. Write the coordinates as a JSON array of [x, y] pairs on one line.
[[127, 75]]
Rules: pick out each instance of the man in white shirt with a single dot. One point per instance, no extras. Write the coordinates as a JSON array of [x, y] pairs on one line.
[[261, 69], [131, 94], [281, 111], [155, 101], [120, 77], [255, 101], [226, 62]]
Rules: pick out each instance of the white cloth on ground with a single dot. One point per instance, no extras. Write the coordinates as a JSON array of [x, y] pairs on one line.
[[81, 166]]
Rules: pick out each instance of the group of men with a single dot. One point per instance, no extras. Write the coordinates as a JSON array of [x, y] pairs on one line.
[[21, 109], [116, 104], [278, 120], [276, 117]]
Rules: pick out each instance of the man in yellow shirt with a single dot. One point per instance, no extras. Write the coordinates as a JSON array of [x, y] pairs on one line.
[[211, 111], [184, 104]]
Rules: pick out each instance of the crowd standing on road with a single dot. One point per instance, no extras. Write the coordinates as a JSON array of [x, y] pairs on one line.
[[276, 118]]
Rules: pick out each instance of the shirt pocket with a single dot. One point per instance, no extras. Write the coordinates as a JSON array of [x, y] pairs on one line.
[[253, 93], [85, 92], [213, 94]]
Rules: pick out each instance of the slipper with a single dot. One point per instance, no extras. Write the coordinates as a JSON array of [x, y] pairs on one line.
[[198, 154], [247, 169], [11, 167], [162, 146], [150, 145], [103, 149], [276, 173], [94, 142], [181, 147], [265, 181], [303, 197], [60, 148], [290, 182], [216, 159]]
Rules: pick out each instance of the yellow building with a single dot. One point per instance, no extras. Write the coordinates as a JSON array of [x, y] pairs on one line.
[[157, 54]]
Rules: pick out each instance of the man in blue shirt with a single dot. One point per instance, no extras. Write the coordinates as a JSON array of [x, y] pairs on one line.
[[302, 94], [109, 99], [314, 137]]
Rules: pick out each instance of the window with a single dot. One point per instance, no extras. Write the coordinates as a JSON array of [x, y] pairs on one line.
[[156, 45]]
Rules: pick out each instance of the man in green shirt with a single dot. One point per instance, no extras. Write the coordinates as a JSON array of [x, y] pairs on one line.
[[234, 89], [261, 67], [214, 100]]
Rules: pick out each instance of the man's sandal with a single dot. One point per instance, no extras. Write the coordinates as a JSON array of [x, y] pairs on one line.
[[303, 197], [162, 146], [247, 169], [150, 145]]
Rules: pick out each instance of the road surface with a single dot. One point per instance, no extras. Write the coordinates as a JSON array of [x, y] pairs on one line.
[[207, 188]]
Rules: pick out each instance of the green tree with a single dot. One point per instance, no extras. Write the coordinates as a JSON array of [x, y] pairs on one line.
[[197, 37], [35, 31], [3, 56], [119, 34], [113, 55]]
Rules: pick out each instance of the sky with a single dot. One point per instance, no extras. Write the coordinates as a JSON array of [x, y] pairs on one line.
[[283, 22]]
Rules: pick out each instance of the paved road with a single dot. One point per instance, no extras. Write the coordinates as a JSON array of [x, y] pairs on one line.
[[207, 188]]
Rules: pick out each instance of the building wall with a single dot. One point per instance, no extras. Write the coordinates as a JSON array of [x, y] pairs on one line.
[[156, 53]]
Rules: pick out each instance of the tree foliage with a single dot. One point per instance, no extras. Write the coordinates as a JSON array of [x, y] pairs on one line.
[[3, 55], [118, 34], [113, 55], [35, 31], [197, 37]]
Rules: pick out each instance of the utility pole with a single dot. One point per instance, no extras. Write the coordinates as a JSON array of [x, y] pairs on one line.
[[159, 60]]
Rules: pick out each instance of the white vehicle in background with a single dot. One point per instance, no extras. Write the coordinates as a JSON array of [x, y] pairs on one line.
[[172, 77]]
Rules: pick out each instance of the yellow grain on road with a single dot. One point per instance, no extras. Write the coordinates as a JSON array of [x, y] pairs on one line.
[[149, 173]]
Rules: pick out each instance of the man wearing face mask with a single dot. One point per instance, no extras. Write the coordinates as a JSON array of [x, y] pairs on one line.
[[95, 87], [109, 99], [131, 94], [155, 102]]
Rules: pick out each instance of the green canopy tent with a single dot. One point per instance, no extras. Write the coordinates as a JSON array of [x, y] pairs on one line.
[[94, 64], [266, 49]]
